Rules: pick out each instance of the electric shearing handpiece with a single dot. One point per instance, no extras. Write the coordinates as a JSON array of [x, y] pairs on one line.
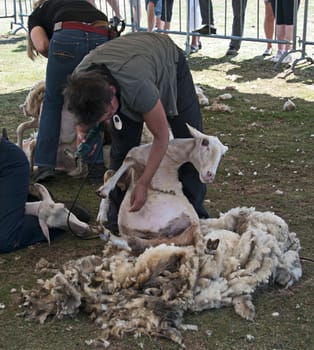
[[85, 147]]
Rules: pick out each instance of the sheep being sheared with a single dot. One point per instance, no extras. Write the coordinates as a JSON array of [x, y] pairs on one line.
[[167, 216]]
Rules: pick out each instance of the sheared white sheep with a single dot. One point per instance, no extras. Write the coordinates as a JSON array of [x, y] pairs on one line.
[[167, 215]]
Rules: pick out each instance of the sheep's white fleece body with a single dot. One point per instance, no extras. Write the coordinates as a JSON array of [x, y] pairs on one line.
[[150, 293]]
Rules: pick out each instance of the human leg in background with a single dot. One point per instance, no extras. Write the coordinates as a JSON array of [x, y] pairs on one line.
[[136, 14], [151, 18], [195, 22], [67, 49], [158, 10], [166, 13], [269, 27], [284, 11], [238, 8], [207, 14], [154, 11]]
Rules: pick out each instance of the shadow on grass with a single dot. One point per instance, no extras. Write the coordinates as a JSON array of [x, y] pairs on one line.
[[254, 68], [11, 39]]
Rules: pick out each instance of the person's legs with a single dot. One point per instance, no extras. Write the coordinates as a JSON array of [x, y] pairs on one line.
[[158, 9], [206, 7], [278, 10], [14, 177], [269, 26], [281, 34], [67, 49], [207, 14], [135, 14], [150, 8], [288, 36], [289, 21], [166, 13], [238, 8], [189, 112]]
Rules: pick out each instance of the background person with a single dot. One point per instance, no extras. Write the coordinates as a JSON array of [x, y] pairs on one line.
[[284, 13], [269, 27], [238, 8], [207, 14], [195, 22], [64, 31], [153, 9], [161, 92]]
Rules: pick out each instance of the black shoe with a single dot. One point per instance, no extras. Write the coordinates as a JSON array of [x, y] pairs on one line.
[[43, 174], [207, 29], [78, 210], [232, 51], [199, 45]]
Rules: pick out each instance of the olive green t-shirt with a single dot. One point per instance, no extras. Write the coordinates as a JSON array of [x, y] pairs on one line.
[[144, 65]]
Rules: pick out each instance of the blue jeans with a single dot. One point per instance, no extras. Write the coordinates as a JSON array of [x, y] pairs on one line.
[[67, 49], [17, 230]]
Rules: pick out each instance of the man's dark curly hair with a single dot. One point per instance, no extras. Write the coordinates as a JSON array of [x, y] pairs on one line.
[[87, 95]]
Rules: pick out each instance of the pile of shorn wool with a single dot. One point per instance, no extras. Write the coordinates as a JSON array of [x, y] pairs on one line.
[[148, 294]]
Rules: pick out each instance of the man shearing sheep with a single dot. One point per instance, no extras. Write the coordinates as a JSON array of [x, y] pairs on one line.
[[139, 77]]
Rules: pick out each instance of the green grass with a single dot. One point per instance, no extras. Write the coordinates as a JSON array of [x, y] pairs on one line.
[[269, 150]]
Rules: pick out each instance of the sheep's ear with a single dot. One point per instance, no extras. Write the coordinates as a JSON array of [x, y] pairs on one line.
[[43, 192], [45, 229], [194, 132]]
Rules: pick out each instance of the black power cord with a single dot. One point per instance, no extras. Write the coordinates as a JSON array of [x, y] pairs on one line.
[[91, 167]]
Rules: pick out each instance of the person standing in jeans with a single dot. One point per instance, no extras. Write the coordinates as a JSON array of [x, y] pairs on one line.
[[64, 31]]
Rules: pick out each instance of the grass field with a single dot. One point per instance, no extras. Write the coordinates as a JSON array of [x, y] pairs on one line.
[[270, 165]]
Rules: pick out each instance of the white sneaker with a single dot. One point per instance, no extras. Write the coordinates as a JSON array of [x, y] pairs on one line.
[[277, 57], [268, 51], [288, 59]]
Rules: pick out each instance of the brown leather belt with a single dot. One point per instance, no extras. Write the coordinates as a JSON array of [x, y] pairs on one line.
[[97, 27]]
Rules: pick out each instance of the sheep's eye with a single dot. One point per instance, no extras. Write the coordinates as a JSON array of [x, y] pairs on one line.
[[205, 142]]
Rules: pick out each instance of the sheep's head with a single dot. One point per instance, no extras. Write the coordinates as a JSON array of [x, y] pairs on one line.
[[206, 154]]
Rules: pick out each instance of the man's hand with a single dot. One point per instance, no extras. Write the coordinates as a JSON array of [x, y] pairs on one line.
[[138, 197]]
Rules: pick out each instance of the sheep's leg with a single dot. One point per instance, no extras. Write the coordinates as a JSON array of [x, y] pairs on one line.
[[108, 186]]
